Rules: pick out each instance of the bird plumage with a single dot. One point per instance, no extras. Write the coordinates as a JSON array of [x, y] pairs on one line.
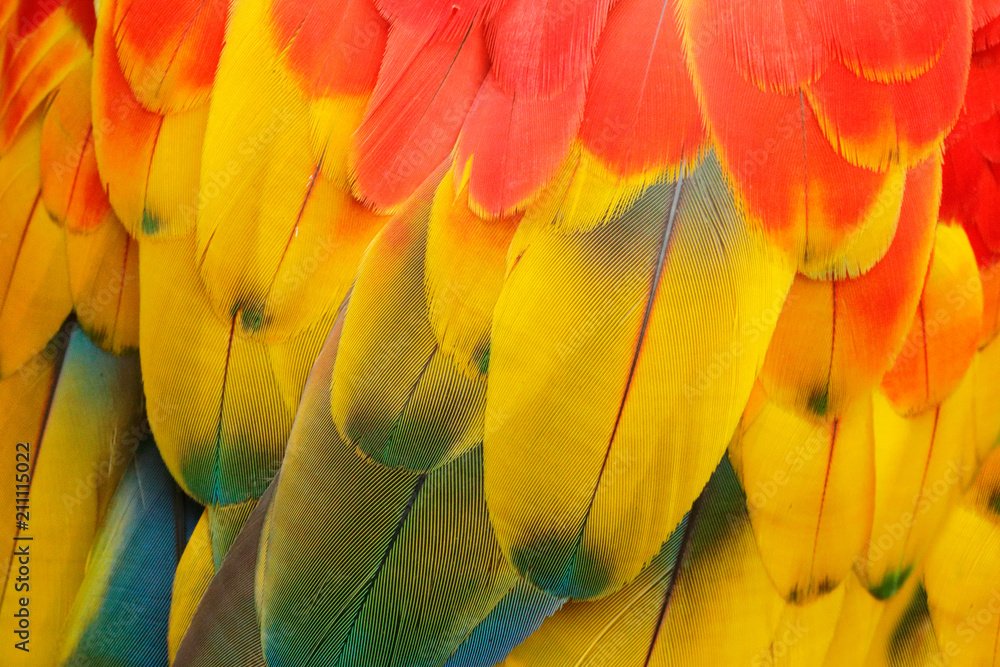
[[652, 332]]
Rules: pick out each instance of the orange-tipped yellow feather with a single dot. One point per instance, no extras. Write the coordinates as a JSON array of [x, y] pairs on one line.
[[945, 330], [641, 115], [148, 125], [465, 266], [34, 281], [835, 218], [44, 49], [279, 233], [103, 260], [168, 52], [904, 118], [836, 339], [71, 185]]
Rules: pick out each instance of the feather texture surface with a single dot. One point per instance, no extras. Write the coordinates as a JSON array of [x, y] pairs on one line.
[[524, 332], [121, 610], [426, 572], [93, 425], [612, 328]]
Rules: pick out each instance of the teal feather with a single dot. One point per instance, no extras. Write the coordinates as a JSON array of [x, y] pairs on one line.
[[120, 613]]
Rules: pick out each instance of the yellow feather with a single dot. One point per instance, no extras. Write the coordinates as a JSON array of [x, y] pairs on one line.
[[987, 398], [715, 607], [466, 258], [170, 194], [396, 395], [904, 636], [332, 125], [225, 523], [93, 428], [419, 577], [221, 423], [34, 281], [962, 577], [985, 492], [810, 492], [945, 331], [194, 572], [585, 193], [621, 360], [104, 282], [149, 163], [826, 253], [26, 395], [278, 238], [921, 465], [860, 614], [805, 632]]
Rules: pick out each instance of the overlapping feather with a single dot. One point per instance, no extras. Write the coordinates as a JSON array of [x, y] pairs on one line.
[[419, 582], [120, 613], [92, 426]]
